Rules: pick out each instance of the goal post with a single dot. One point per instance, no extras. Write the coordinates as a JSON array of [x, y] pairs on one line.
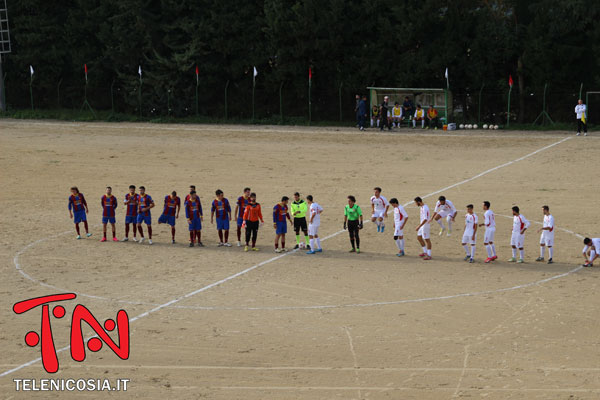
[[441, 99]]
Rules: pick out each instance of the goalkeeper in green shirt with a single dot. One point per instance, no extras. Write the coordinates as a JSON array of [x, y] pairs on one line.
[[299, 209], [353, 221]]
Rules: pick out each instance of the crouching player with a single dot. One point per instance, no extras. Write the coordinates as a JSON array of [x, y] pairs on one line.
[[78, 210], [400, 218], [170, 212], [193, 213], [280, 218], [590, 251], [353, 221], [470, 234], [222, 210]]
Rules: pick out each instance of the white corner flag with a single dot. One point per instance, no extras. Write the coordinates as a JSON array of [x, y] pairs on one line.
[[446, 76], [140, 71], [31, 70], [254, 76]]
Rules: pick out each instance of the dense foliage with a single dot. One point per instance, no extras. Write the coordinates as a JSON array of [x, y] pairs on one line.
[[349, 44]]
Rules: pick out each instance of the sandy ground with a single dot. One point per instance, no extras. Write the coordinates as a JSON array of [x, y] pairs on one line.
[[330, 326]]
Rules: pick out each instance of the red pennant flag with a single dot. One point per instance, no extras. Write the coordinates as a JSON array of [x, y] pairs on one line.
[[85, 70], [309, 73], [510, 80], [197, 71]]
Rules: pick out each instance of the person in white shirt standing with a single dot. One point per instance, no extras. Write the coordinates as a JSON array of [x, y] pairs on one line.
[[423, 229], [314, 221], [400, 218], [520, 225], [444, 209], [489, 221], [581, 112], [547, 236], [470, 234], [379, 208], [591, 251]]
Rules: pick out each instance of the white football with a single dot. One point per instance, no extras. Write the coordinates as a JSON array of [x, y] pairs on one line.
[[491, 126], [462, 126], [485, 126], [470, 126], [301, 245], [495, 126], [475, 126]]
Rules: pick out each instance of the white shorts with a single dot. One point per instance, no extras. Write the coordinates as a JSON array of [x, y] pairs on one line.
[[488, 237], [398, 231], [424, 231], [313, 230], [467, 239], [444, 214], [547, 238], [378, 214], [517, 240]]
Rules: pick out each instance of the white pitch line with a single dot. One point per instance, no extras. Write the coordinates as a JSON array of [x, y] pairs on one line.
[[245, 271]]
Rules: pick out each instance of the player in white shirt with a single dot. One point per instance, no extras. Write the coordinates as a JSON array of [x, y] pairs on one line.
[[379, 208], [423, 229], [470, 234], [400, 218], [489, 221], [314, 221], [520, 225], [444, 209], [591, 251], [547, 236], [581, 113]]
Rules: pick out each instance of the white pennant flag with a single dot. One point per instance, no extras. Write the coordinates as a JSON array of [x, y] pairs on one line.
[[254, 76], [446, 75], [140, 71], [31, 70], [255, 72]]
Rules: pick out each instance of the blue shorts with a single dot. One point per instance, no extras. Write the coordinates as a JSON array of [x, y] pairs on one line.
[[196, 225], [222, 224], [79, 216], [167, 219], [130, 219], [145, 219], [240, 221], [106, 220], [281, 227]]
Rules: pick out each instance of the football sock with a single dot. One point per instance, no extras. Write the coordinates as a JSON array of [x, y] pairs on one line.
[[126, 230], [429, 252], [198, 236], [550, 252], [227, 236], [542, 251], [220, 236], [493, 247], [319, 243], [424, 250], [399, 244], [357, 242], [77, 228], [141, 231], [514, 253], [114, 233], [253, 243], [489, 250], [472, 251], [283, 243], [449, 225], [191, 236], [440, 223], [85, 225], [312, 244], [277, 245], [104, 233], [592, 255], [297, 239], [239, 233], [306, 239], [352, 242], [522, 253], [149, 232], [466, 247], [173, 232]]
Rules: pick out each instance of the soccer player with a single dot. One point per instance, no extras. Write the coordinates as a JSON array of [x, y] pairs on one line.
[[400, 218], [432, 118], [171, 212], [240, 207], [444, 209], [489, 220], [353, 221], [78, 210], [590, 251], [132, 201], [187, 197], [280, 218], [193, 213], [314, 221], [299, 209], [520, 225], [252, 215], [379, 209], [419, 116], [547, 236], [470, 234], [222, 211], [397, 115], [423, 229], [109, 205], [375, 116], [144, 215]]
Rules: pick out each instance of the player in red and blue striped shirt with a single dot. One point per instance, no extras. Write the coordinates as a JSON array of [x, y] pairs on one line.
[[144, 215], [77, 210], [280, 214], [109, 205], [193, 213], [171, 212], [132, 201], [222, 210], [240, 206]]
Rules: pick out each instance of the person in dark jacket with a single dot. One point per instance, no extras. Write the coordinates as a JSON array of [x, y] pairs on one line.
[[361, 113]]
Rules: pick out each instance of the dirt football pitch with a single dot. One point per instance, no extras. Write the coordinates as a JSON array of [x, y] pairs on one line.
[[219, 323]]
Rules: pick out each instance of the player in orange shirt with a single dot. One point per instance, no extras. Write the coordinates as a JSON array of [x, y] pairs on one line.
[[252, 216]]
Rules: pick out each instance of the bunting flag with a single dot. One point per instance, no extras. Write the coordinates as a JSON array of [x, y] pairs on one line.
[[85, 70], [510, 81], [197, 73], [254, 76], [446, 76], [309, 76], [31, 71]]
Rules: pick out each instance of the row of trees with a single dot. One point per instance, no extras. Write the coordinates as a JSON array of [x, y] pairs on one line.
[[348, 43]]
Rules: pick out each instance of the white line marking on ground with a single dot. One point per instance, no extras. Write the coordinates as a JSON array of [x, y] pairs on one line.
[[245, 271]]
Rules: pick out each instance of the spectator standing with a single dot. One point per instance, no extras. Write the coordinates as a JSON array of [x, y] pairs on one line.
[[361, 113]]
